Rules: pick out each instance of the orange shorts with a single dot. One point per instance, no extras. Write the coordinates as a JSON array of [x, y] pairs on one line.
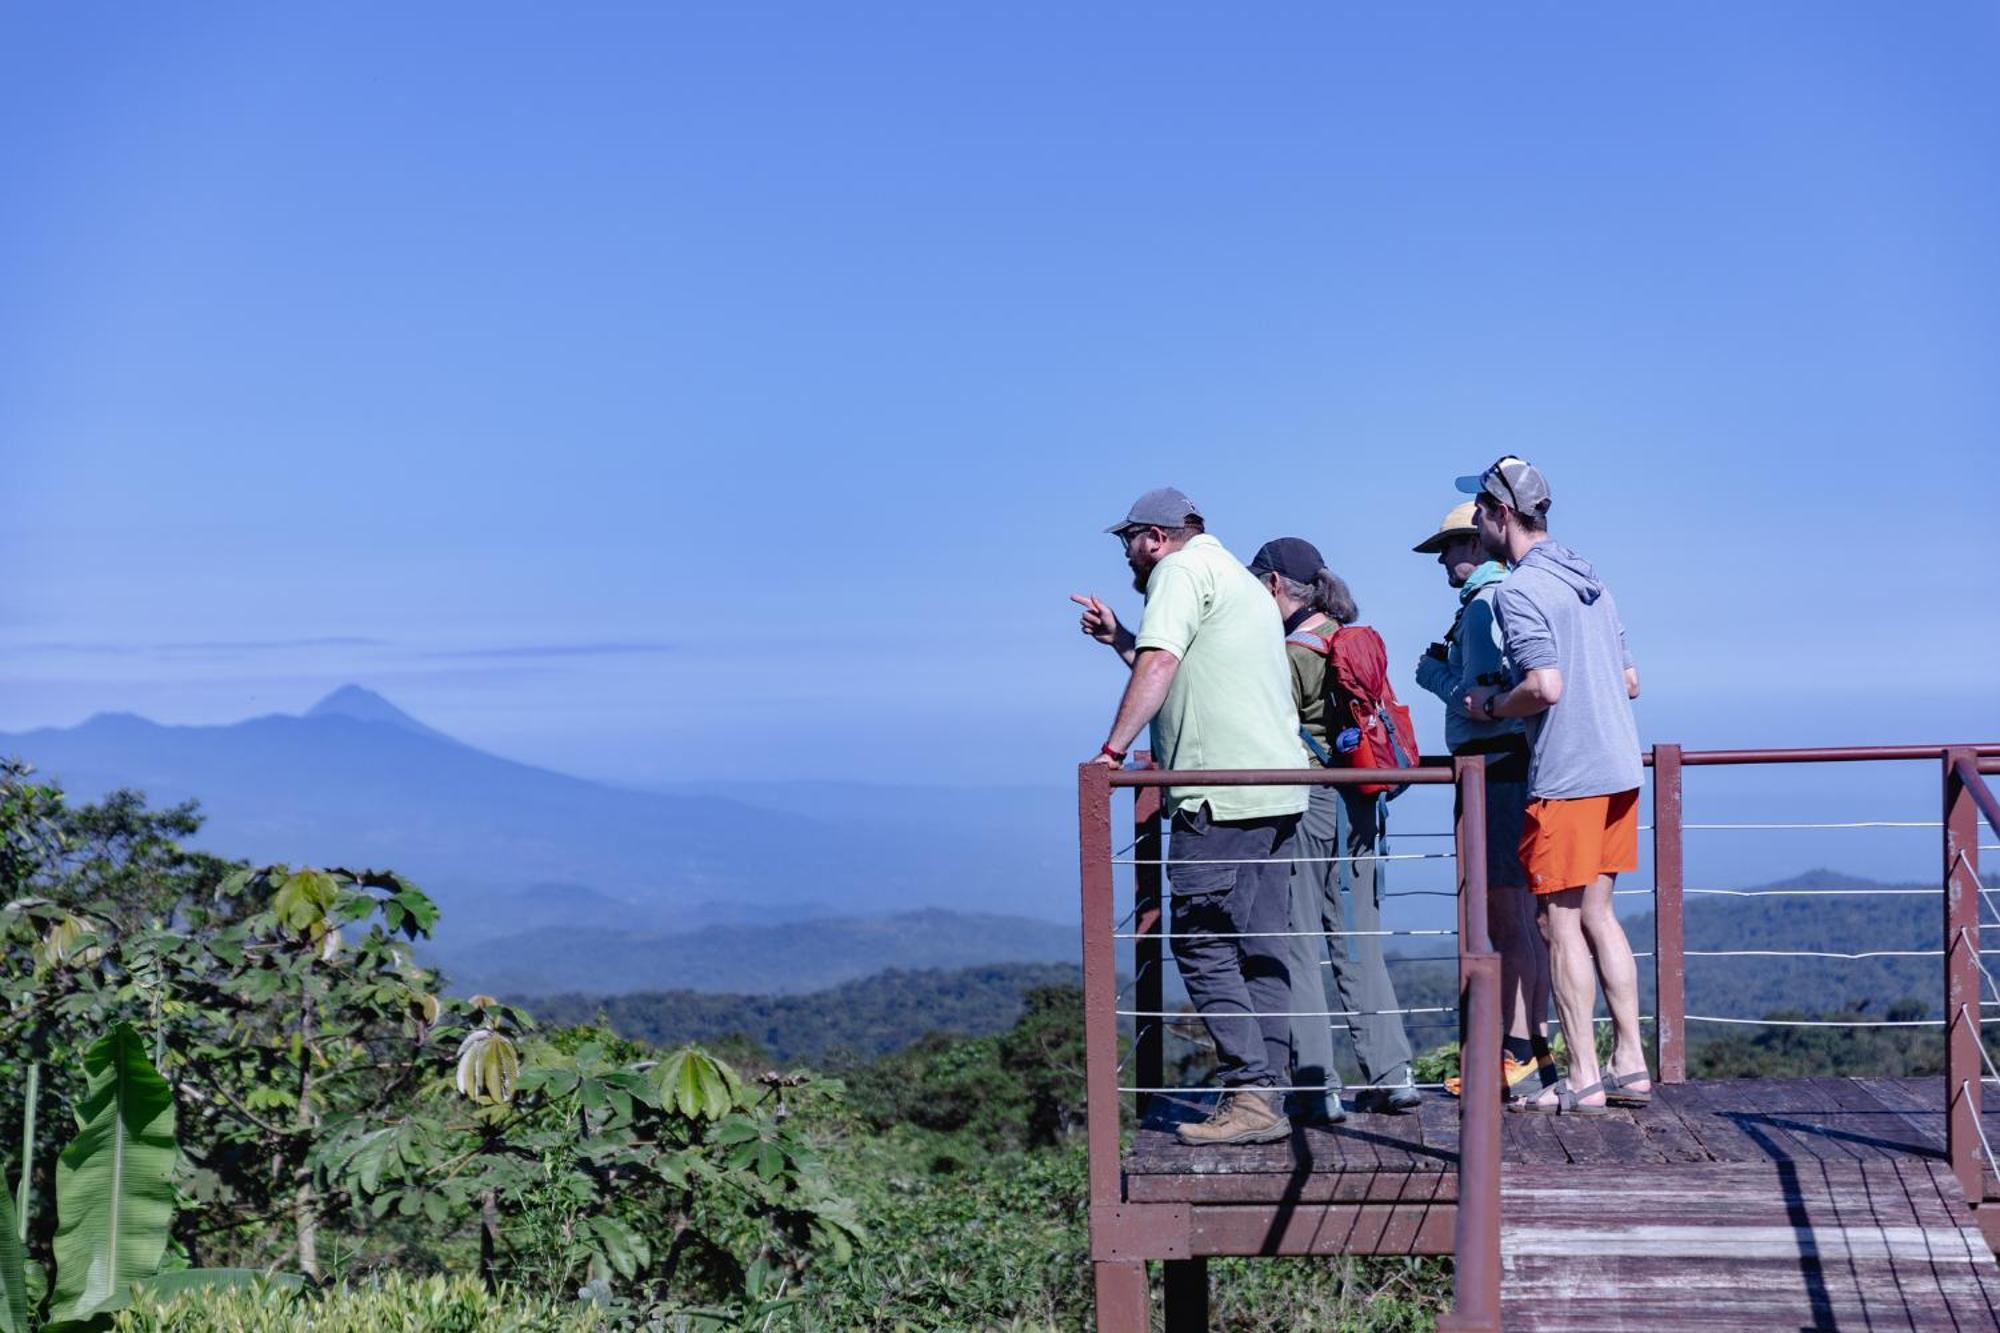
[[1568, 844]]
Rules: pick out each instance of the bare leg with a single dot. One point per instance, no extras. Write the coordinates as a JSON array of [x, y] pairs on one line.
[[1619, 972], [1573, 977]]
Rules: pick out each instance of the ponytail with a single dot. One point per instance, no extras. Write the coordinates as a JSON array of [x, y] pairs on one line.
[[1330, 597]]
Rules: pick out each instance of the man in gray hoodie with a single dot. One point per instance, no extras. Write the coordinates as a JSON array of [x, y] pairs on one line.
[[1470, 657], [1573, 684]]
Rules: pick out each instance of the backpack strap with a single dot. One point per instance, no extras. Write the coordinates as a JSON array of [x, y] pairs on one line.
[[1313, 639]]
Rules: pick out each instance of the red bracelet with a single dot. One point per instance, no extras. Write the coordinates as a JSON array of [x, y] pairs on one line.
[[1105, 748]]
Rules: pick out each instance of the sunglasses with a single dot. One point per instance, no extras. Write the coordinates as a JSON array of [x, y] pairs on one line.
[[1495, 470]]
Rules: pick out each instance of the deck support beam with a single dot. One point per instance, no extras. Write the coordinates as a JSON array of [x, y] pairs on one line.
[[1123, 1303], [1186, 1295]]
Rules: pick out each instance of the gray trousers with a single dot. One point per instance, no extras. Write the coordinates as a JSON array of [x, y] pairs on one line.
[[1341, 824], [1231, 878]]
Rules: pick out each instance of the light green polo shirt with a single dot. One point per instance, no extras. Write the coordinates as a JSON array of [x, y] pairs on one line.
[[1230, 705]]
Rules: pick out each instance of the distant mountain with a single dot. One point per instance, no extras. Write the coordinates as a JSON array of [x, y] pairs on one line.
[[780, 957], [352, 701], [507, 847], [868, 1018]]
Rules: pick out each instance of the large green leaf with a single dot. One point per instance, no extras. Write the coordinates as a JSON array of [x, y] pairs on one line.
[[168, 1285], [13, 1271], [696, 1084], [114, 1188]]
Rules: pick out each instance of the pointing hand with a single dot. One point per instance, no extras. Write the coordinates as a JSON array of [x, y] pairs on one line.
[[1098, 620]]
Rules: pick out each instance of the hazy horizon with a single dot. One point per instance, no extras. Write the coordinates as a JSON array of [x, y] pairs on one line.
[[669, 396]]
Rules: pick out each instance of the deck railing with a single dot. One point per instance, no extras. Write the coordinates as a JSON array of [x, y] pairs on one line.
[[1121, 1282], [1964, 794], [1116, 1227]]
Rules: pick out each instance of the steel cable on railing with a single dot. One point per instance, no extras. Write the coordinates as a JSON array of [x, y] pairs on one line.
[[1965, 1088], [1279, 934], [1283, 860], [1826, 1023], [1199, 1091], [1191, 1015], [1784, 893]]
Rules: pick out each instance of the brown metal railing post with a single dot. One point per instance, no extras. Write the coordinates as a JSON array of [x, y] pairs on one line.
[[1476, 1230], [1148, 963], [1961, 975], [1469, 844], [1669, 921], [1120, 1283]]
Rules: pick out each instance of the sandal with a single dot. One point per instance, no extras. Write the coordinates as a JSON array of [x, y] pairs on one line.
[[1618, 1089], [1568, 1102]]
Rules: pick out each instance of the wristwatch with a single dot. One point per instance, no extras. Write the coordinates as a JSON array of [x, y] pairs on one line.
[[1105, 748]]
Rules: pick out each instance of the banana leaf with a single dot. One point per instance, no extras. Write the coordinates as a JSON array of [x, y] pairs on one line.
[[182, 1280], [13, 1271], [114, 1188]]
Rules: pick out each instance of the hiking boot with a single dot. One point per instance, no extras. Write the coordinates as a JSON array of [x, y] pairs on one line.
[[1244, 1116]]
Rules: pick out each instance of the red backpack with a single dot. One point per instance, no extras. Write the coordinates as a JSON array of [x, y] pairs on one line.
[[1360, 696]]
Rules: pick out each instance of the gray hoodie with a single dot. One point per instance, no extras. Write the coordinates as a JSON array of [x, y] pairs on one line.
[[1553, 612]]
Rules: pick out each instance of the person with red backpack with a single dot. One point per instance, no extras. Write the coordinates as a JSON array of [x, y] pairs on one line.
[[1349, 717]]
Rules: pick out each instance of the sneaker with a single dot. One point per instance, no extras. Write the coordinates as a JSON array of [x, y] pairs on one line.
[[1514, 1075], [1389, 1101], [1395, 1100], [1243, 1116], [1316, 1109]]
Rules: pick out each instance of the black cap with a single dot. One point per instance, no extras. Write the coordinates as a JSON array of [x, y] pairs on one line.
[[1294, 557]]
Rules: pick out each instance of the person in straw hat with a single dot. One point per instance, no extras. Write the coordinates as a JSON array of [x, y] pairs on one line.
[[1469, 657]]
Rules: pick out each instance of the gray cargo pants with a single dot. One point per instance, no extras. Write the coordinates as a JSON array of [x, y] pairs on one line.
[[1338, 823], [1231, 878]]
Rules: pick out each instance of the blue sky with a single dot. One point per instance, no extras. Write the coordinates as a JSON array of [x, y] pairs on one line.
[[661, 394]]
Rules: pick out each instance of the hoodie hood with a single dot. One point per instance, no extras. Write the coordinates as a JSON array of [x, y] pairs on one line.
[[1485, 576], [1566, 567]]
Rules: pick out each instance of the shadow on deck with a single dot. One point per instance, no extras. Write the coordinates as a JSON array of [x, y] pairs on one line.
[[1755, 1203]]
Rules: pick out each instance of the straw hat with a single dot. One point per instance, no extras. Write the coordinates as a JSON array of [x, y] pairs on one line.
[[1458, 523]]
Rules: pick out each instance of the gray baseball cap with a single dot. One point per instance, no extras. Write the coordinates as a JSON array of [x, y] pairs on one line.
[[1514, 482], [1162, 508]]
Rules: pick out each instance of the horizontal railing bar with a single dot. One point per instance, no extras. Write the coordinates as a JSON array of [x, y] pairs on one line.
[[1278, 777], [1829, 754]]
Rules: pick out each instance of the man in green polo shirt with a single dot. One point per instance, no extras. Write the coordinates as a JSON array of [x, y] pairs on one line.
[[1209, 675]]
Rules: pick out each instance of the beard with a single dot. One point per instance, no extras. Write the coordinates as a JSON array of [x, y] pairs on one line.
[[1494, 548], [1140, 575]]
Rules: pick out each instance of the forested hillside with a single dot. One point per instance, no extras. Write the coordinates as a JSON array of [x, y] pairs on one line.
[[311, 1133], [863, 1019]]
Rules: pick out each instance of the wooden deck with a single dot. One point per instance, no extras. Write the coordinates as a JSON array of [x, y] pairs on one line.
[[1809, 1203]]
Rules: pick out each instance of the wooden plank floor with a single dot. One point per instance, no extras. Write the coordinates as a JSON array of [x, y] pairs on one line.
[[1796, 1204], [1742, 1120]]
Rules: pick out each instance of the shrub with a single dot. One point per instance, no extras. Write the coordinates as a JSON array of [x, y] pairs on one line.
[[394, 1305]]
